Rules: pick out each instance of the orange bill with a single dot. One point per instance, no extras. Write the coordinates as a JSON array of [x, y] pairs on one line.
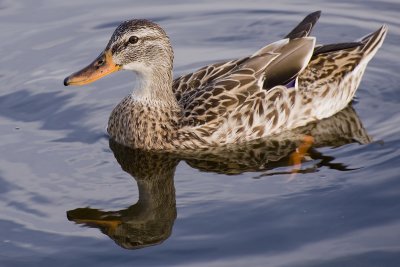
[[109, 225], [100, 67]]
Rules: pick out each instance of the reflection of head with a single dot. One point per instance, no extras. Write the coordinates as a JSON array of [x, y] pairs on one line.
[[150, 220]]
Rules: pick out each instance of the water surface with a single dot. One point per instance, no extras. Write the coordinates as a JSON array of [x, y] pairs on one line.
[[69, 197]]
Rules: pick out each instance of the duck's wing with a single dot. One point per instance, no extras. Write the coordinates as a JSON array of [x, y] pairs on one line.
[[189, 83], [207, 103], [279, 76], [232, 88], [286, 68]]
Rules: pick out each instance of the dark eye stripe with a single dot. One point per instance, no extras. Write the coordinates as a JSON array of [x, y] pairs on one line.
[[117, 48]]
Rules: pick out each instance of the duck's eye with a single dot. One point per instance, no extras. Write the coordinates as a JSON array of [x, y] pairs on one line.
[[133, 39]]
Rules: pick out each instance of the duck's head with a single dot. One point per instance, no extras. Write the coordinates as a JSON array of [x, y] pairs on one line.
[[138, 45]]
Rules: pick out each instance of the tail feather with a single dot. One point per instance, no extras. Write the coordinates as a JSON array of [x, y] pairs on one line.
[[334, 76], [373, 41], [367, 44], [303, 29]]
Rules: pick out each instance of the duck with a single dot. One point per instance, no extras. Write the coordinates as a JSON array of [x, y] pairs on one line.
[[282, 86]]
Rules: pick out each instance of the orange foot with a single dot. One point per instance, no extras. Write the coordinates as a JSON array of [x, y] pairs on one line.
[[297, 156]]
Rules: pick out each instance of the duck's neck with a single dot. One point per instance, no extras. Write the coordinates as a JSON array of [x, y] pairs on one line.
[[149, 117], [154, 86]]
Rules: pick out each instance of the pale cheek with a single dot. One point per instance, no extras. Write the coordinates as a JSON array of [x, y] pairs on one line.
[[117, 59], [137, 67]]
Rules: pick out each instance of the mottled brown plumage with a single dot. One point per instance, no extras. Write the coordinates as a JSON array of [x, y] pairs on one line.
[[284, 85]]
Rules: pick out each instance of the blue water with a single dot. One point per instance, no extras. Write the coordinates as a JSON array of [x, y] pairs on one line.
[[69, 197]]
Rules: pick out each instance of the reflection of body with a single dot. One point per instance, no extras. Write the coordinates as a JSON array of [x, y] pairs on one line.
[[283, 86], [343, 128], [150, 220]]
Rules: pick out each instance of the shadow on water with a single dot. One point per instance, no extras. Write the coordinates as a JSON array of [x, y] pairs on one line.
[[150, 220]]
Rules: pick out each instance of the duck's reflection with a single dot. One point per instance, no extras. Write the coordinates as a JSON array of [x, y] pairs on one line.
[[150, 220]]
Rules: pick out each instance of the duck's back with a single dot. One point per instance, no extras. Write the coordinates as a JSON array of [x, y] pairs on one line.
[[238, 101]]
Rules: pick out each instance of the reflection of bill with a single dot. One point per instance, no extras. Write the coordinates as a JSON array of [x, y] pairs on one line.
[[150, 220]]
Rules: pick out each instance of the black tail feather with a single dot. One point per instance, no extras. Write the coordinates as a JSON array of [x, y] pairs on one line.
[[303, 29], [368, 43], [321, 49]]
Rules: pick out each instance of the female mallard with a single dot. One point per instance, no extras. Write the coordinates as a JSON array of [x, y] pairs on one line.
[[282, 86]]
